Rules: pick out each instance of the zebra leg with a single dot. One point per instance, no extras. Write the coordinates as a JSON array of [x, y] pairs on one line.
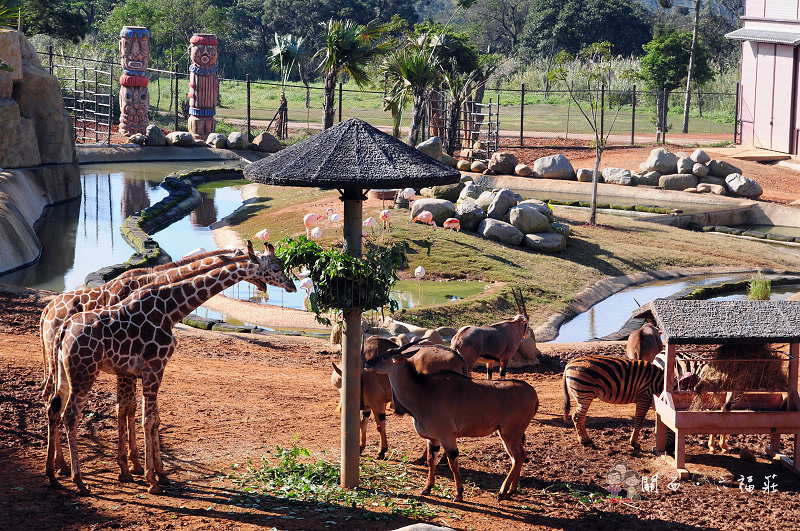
[[643, 402], [579, 420]]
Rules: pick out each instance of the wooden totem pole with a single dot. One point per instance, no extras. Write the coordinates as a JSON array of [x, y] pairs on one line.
[[203, 84], [134, 98]]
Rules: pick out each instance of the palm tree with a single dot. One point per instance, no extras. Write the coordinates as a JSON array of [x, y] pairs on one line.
[[287, 52], [458, 88], [349, 49], [9, 11], [410, 70]]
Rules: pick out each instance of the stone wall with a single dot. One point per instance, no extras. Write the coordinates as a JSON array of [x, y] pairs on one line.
[[38, 162]]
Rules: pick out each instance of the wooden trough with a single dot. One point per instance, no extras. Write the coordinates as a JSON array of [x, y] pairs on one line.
[[687, 323]]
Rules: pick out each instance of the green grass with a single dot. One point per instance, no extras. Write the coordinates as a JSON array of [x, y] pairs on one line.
[[759, 288]]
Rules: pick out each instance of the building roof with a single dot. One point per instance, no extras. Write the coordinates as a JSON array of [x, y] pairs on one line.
[[724, 322], [352, 154], [791, 38]]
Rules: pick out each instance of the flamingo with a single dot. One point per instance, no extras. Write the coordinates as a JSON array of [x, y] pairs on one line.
[[419, 272], [262, 235], [316, 232], [333, 217], [424, 217], [370, 222], [310, 220], [386, 216], [194, 252], [407, 193], [304, 273], [307, 284], [452, 223]]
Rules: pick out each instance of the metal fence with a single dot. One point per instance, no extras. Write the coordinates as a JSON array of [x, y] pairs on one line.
[[521, 115]]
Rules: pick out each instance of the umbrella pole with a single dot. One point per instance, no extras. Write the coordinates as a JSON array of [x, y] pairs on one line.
[[351, 351]]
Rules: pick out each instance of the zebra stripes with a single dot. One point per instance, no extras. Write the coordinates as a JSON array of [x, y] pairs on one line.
[[613, 380]]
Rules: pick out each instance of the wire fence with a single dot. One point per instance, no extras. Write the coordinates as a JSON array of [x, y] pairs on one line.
[[252, 106]]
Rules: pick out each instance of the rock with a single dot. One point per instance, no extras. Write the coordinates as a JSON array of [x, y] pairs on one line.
[[449, 161], [503, 163], [711, 188], [451, 192], [440, 208], [700, 170], [709, 179], [154, 136], [470, 191], [679, 181], [584, 175], [397, 329], [685, 165], [485, 199], [560, 228], [432, 147], [541, 206], [470, 215], [554, 167], [548, 242], [434, 337], [480, 145], [648, 178], [446, 331], [494, 229], [466, 153], [662, 161], [721, 168], [681, 155], [528, 351], [217, 141], [700, 156], [523, 170], [237, 140], [137, 138], [180, 138], [528, 219], [619, 176], [478, 166], [266, 143], [503, 201], [743, 186], [463, 165]]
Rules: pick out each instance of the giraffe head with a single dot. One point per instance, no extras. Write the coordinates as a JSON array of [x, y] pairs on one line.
[[270, 270]]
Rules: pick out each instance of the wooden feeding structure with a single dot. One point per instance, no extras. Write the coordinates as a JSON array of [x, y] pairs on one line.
[[351, 157], [692, 327]]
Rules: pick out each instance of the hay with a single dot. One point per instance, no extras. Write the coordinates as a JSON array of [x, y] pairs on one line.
[[741, 368]]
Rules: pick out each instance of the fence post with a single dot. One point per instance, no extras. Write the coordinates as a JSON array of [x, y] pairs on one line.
[[249, 138], [96, 123], [633, 116], [602, 112], [110, 102], [83, 103], [50, 56], [736, 115], [522, 116], [664, 117], [340, 101], [175, 67]]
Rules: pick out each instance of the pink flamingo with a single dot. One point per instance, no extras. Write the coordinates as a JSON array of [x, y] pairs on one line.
[[310, 220], [316, 232], [262, 235], [424, 217], [386, 216], [370, 222], [332, 217], [452, 223]]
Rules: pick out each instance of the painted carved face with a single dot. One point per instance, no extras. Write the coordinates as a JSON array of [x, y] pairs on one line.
[[135, 53], [134, 103], [204, 55]]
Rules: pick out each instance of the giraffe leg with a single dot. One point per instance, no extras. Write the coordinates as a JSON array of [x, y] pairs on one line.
[[126, 412], [152, 443], [54, 410], [72, 412]]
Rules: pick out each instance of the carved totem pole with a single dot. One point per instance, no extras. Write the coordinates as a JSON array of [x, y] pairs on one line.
[[203, 84], [134, 98]]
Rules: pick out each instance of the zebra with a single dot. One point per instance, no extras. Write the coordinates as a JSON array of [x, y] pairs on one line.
[[613, 380]]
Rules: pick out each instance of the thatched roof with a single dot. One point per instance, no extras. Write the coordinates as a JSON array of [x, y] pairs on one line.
[[724, 322], [352, 154]]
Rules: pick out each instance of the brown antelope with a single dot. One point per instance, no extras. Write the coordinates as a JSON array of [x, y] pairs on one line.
[[448, 405], [644, 343], [494, 344]]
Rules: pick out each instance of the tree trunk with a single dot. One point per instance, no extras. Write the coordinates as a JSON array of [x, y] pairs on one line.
[[328, 104], [416, 116], [690, 76], [453, 118], [595, 178], [662, 107]]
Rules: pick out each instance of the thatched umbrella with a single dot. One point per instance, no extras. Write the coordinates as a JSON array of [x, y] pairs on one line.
[[351, 157]]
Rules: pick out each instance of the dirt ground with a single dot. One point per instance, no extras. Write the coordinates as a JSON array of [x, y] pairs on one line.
[[227, 399]]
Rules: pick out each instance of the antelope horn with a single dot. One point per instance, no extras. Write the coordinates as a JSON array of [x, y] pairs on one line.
[[521, 302]]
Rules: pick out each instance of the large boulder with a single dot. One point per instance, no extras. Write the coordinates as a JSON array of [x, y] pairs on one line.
[[584, 175], [528, 219], [503, 163], [547, 242], [451, 192], [503, 201], [494, 229], [471, 190], [180, 138], [441, 209], [738, 184], [677, 181], [266, 143], [523, 170], [464, 165], [619, 176], [217, 141], [721, 168], [470, 215], [485, 199], [237, 140], [661, 160], [432, 147], [449, 161], [541, 206], [154, 136], [700, 156], [477, 166], [710, 179], [554, 167], [700, 170], [711, 188], [647, 178], [685, 165]]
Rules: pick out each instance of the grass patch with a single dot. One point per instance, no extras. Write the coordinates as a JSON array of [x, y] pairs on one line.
[[759, 288]]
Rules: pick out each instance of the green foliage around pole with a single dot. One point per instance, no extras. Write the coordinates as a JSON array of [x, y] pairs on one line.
[[341, 281], [667, 62]]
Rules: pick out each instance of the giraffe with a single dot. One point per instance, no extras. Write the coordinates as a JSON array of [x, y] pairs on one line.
[[134, 337], [71, 303]]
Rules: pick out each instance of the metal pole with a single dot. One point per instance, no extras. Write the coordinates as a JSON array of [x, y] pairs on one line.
[[175, 66], [340, 102], [96, 115], [110, 102], [50, 55], [602, 112], [736, 118], [633, 116], [664, 119], [351, 350], [522, 115], [249, 137]]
